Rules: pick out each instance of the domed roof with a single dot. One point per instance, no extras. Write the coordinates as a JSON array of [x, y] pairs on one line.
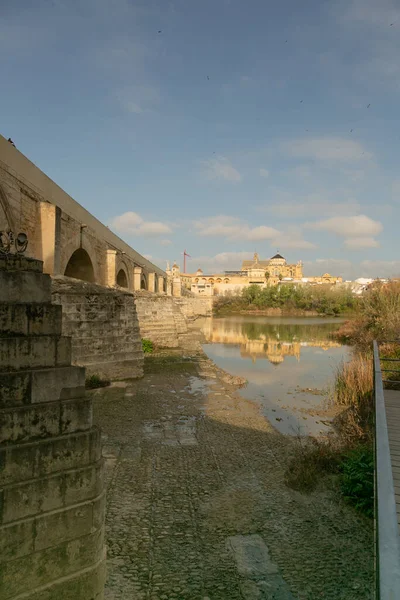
[[278, 256]]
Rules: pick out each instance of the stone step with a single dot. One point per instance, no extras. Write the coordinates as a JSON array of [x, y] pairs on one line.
[[52, 565], [37, 496], [51, 529], [20, 462], [34, 352], [40, 421], [20, 388], [88, 583], [24, 286], [30, 319]]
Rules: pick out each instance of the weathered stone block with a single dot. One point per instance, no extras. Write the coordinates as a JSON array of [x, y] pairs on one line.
[[51, 493], [27, 423], [31, 460], [46, 385], [86, 584], [16, 540], [76, 449], [30, 319], [67, 524], [35, 570], [33, 352], [76, 415], [24, 286], [18, 262], [44, 420]]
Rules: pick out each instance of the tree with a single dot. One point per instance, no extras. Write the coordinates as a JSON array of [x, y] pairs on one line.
[[280, 277]]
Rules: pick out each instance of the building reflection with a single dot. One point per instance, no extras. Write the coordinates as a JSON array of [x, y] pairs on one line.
[[272, 344]]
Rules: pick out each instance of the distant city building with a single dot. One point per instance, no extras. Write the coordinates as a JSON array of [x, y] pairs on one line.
[[273, 271]]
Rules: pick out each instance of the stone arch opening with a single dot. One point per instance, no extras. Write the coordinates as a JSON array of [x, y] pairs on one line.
[[80, 266], [143, 282], [122, 279]]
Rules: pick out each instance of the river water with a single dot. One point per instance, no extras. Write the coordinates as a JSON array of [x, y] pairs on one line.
[[289, 364]]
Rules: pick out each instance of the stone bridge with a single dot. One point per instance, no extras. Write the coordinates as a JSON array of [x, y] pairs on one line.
[[66, 237]]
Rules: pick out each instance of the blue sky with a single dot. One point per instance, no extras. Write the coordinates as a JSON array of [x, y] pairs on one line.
[[240, 127]]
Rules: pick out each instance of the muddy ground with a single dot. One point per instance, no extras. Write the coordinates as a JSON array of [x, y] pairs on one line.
[[197, 504]]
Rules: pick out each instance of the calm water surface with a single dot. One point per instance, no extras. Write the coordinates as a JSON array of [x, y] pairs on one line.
[[289, 364]]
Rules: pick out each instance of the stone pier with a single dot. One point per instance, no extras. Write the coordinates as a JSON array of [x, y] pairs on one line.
[[51, 471]]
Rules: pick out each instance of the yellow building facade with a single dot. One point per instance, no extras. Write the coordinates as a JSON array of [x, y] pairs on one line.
[[273, 271]]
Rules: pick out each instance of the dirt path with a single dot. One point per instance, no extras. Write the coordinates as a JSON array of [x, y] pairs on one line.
[[197, 506]]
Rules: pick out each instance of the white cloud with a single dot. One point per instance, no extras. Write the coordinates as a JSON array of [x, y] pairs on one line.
[[331, 148], [224, 261], [350, 270], [380, 268], [234, 229], [133, 224], [294, 242], [337, 267], [264, 173], [348, 227], [293, 209], [165, 242], [358, 243], [220, 168], [359, 230]]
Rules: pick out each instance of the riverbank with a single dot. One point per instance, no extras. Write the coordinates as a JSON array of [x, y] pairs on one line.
[[196, 491], [318, 300], [272, 312]]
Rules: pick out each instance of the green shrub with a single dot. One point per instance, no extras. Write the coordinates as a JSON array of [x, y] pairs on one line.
[[326, 300], [357, 479], [147, 346], [95, 381]]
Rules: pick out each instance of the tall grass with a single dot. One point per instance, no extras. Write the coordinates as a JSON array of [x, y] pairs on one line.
[[353, 390]]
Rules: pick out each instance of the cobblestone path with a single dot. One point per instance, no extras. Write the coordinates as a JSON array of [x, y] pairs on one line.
[[197, 506]]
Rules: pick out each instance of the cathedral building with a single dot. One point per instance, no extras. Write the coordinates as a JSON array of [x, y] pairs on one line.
[[273, 271]]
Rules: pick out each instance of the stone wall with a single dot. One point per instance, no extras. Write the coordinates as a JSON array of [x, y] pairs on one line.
[[103, 325], [166, 320], [51, 472], [193, 307]]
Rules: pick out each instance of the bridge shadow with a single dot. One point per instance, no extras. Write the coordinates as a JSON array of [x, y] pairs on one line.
[[197, 504]]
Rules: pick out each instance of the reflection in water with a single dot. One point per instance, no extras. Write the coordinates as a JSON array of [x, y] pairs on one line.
[[275, 340], [288, 362]]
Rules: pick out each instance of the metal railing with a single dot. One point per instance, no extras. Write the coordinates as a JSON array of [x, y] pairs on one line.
[[386, 527]]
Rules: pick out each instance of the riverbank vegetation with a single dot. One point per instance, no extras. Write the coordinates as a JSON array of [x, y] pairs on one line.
[[348, 456], [323, 300]]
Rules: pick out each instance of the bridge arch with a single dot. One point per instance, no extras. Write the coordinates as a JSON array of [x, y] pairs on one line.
[[71, 248], [122, 278], [80, 266]]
